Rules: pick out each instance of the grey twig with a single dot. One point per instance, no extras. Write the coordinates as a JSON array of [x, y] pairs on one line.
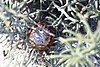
[[63, 11]]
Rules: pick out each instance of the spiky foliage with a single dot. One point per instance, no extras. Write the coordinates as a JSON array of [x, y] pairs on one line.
[[77, 36]]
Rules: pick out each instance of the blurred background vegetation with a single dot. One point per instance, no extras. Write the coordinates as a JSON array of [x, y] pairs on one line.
[[76, 25]]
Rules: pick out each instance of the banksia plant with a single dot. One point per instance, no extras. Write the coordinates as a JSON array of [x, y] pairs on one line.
[[47, 33]]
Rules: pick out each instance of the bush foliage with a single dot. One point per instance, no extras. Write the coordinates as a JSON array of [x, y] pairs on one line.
[[75, 24]]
